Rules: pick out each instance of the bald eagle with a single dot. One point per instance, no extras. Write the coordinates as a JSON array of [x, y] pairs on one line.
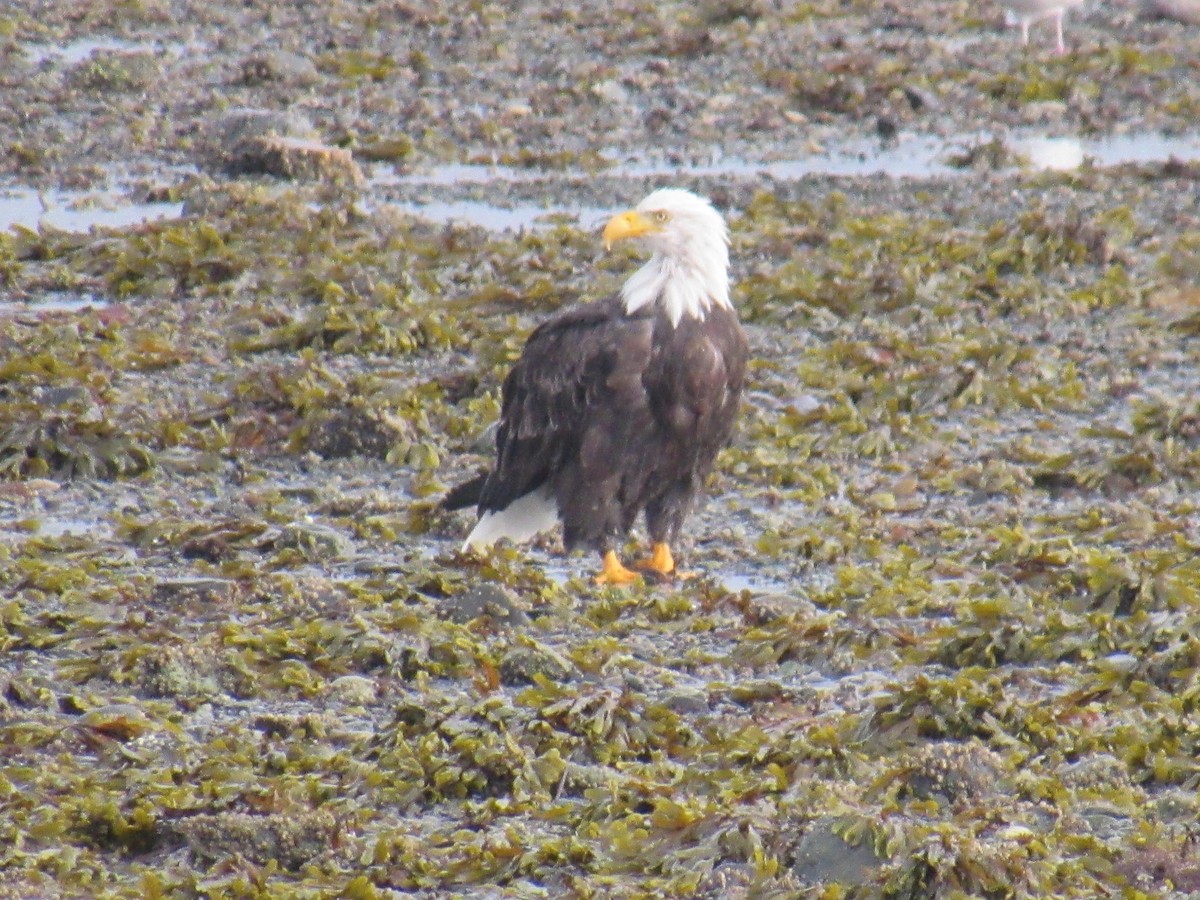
[[618, 407]]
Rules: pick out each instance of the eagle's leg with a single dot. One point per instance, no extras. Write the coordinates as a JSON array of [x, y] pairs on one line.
[[660, 560], [613, 572]]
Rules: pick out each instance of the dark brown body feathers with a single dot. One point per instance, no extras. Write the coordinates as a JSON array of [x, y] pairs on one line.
[[616, 414]]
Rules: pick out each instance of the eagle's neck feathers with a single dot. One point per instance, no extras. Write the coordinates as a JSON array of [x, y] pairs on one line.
[[682, 285]]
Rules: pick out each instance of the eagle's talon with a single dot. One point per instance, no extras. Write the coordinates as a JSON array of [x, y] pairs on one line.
[[660, 562], [614, 573]]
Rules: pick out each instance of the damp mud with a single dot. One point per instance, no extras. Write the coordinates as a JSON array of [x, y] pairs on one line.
[[263, 268]]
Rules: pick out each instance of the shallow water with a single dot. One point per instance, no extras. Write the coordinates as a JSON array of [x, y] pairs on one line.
[[497, 218], [910, 156], [50, 526], [1152, 147], [913, 156], [78, 51], [736, 582], [77, 210], [61, 302], [64, 526]]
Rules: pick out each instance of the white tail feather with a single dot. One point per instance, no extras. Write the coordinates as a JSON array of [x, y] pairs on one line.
[[521, 520]]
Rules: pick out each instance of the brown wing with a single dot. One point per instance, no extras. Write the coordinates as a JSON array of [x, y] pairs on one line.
[[576, 388]]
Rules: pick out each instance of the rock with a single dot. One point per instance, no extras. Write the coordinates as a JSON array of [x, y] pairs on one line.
[[521, 664], [1040, 111], [121, 721], [1186, 11], [296, 159], [1176, 805], [281, 66], [315, 542], [240, 125], [379, 564], [950, 772], [117, 71], [65, 396], [186, 589], [1102, 772], [687, 701], [822, 855], [356, 690], [355, 431], [763, 608], [282, 144], [728, 880], [490, 600], [721, 12], [290, 839], [185, 671], [611, 91], [1107, 822]]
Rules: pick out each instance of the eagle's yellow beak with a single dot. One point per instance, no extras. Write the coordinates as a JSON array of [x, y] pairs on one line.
[[626, 225]]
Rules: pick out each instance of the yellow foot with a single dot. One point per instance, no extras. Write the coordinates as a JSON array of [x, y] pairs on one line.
[[660, 561], [615, 573]]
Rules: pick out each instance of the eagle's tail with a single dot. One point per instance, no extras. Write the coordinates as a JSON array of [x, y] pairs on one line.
[[524, 518], [466, 494]]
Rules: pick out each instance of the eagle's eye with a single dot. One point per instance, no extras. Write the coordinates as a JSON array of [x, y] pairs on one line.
[[661, 216]]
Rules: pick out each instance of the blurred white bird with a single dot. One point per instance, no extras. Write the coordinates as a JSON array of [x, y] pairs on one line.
[[1186, 11], [1026, 12]]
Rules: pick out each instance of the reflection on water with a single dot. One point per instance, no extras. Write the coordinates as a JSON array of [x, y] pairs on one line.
[[53, 303], [911, 156], [1150, 147], [54, 526], [77, 210], [499, 218], [1056, 154], [78, 51], [1066, 153], [736, 583]]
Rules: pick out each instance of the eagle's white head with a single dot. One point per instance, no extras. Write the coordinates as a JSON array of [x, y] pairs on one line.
[[688, 272]]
